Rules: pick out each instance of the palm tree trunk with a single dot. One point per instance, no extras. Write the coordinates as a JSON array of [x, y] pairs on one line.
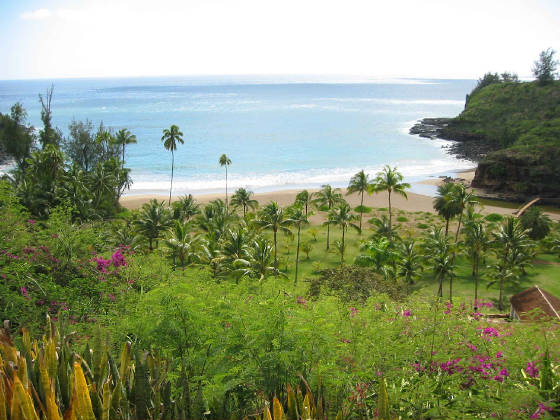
[[244, 210], [458, 227], [440, 289], [342, 250], [361, 211], [226, 190], [275, 254], [297, 252], [328, 235], [500, 302], [446, 226], [390, 214], [172, 165], [451, 289], [476, 281], [122, 165]]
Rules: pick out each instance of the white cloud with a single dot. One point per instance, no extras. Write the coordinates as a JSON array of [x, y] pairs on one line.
[[38, 14]]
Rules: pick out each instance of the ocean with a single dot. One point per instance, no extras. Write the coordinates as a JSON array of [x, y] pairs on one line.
[[279, 132]]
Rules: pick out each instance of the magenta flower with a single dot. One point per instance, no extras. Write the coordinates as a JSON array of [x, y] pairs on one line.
[[490, 332], [542, 409], [353, 311], [118, 259], [24, 292], [407, 313], [498, 378], [504, 372], [345, 340], [472, 347], [111, 296], [31, 221], [532, 370], [499, 355]]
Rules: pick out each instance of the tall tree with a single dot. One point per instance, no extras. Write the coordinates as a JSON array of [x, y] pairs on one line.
[[48, 135], [461, 199], [225, 161], [390, 180], [511, 241], [298, 217], [359, 183], [185, 208], [16, 137], [181, 244], [476, 240], [341, 215], [325, 199], [122, 138], [171, 137], [444, 205], [544, 68], [305, 198], [272, 217], [242, 198], [153, 220], [409, 261], [440, 254]]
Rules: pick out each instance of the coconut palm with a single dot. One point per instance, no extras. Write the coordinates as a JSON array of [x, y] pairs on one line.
[[440, 256], [444, 205], [122, 138], [214, 219], [461, 199], [390, 180], [512, 247], [409, 262], [380, 253], [272, 217], [476, 241], [325, 199], [305, 198], [182, 244], [153, 220], [298, 217], [225, 161], [258, 262], [536, 222], [171, 138], [341, 215], [242, 198], [360, 184], [185, 208]]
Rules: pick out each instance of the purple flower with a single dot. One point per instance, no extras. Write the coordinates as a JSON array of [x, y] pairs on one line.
[[353, 311], [102, 264], [532, 370], [498, 378], [491, 332], [345, 340], [24, 292], [499, 355], [301, 300], [472, 347], [111, 296], [118, 259], [31, 221], [542, 409], [407, 313], [504, 372]]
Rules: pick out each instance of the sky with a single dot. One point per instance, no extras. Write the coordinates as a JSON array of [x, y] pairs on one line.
[[390, 38]]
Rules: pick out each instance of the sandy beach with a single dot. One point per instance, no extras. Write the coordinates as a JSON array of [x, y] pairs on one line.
[[414, 203]]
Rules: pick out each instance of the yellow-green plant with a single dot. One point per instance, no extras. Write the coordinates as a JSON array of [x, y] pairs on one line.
[[45, 379]]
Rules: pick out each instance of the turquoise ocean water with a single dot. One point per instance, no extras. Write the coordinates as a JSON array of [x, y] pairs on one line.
[[280, 132]]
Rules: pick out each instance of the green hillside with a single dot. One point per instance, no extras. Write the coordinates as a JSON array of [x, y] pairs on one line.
[[520, 122]]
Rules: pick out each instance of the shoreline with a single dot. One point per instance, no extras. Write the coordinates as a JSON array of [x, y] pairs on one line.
[[415, 203]]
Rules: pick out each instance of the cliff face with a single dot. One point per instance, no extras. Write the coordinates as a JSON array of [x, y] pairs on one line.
[[513, 131]]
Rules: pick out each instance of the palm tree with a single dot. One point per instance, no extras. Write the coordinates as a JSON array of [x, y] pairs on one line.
[[153, 220], [242, 198], [439, 252], [381, 254], [182, 244], [444, 205], [326, 199], [298, 218], [185, 208], [390, 180], [476, 240], [305, 199], [171, 137], [342, 216], [272, 217], [409, 264], [258, 262], [225, 161], [511, 242], [123, 138], [461, 199], [359, 183]]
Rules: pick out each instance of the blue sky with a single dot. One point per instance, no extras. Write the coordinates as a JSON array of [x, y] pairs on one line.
[[397, 38]]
